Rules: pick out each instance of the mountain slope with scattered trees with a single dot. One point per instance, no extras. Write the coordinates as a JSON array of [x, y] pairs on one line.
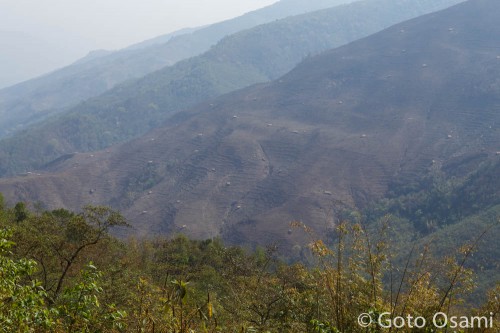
[[378, 118], [252, 56]]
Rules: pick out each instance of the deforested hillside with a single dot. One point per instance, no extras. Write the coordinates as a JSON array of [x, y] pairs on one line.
[[340, 131], [252, 56]]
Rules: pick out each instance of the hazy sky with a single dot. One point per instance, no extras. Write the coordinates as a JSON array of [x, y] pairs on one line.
[[38, 36], [113, 24]]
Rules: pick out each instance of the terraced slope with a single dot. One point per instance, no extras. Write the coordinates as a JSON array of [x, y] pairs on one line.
[[334, 132], [257, 55]]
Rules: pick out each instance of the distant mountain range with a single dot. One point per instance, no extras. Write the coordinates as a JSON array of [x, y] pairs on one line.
[[31, 101], [251, 56], [24, 56], [337, 131]]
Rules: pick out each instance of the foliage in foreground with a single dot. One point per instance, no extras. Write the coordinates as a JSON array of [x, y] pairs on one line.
[[62, 272]]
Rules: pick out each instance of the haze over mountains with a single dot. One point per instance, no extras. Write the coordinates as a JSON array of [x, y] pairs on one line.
[[24, 56], [337, 131], [33, 100], [248, 57]]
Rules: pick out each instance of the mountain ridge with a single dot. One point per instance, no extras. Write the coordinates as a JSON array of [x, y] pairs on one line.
[[331, 134], [48, 94], [249, 57]]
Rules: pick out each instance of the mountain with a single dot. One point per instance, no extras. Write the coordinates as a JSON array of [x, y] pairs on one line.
[[31, 101], [25, 56], [163, 38], [251, 56], [336, 132]]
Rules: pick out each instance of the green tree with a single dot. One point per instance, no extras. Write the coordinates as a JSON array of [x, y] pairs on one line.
[[22, 301], [20, 211], [61, 242], [81, 310]]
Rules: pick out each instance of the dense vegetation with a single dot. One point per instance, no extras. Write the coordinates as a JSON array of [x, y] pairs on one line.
[[63, 272], [447, 207], [442, 197]]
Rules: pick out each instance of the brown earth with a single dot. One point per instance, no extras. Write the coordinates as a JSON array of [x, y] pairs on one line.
[[333, 132]]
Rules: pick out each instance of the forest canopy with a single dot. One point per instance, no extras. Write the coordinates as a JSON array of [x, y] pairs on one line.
[[63, 271]]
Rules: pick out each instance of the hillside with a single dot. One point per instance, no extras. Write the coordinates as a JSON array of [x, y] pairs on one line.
[[245, 58], [33, 100], [338, 131]]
